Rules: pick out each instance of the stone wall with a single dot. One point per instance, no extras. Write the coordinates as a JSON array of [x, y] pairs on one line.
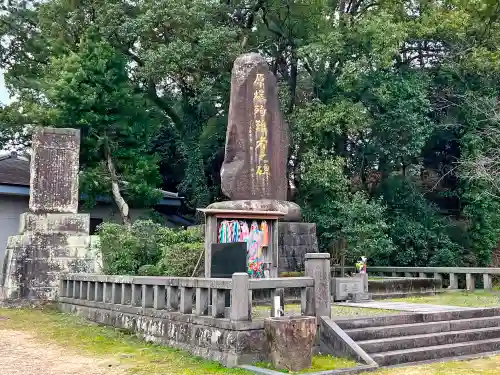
[[294, 241], [231, 343]]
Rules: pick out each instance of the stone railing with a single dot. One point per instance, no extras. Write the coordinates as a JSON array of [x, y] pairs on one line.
[[215, 297], [450, 274]]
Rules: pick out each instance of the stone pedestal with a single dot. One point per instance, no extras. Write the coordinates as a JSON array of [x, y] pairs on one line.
[[294, 241], [48, 244], [290, 341]]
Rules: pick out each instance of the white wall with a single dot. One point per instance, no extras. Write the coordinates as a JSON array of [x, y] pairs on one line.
[[11, 208]]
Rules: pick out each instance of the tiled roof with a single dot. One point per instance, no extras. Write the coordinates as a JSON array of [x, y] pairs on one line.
[[14, 170]]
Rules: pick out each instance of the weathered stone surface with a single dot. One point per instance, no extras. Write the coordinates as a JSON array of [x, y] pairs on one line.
[[257, 140], [54, 170], [53, 237], [229, 346], [290, 209], [343, 286], [295, 240], [34, 259], [290, 341]]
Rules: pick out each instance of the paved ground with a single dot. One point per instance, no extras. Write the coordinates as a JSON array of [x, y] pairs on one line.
[[403, 306], [20, 354]]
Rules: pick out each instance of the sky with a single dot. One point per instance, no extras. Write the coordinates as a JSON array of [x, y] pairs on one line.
[[4, 95]]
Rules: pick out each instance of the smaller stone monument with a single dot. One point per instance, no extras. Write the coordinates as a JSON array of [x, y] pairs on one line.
[[53, 237]]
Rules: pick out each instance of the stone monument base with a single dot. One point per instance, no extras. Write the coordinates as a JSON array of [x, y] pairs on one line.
[[48, 244], [290, 209], [295, 240]]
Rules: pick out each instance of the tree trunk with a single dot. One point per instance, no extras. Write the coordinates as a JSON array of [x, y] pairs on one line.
[[115, 188]]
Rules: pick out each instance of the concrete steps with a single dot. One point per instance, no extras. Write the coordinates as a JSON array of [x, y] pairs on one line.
[[373, 333], [394, 340], [436, 352]]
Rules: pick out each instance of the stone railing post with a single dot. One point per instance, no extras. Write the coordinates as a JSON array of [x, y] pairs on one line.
[[453, 281], [487, 281], [239, 297], [470, 282], [317, 266]]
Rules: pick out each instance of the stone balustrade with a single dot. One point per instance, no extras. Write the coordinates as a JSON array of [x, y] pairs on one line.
[[182, 294], [451, 274], [209, 317]]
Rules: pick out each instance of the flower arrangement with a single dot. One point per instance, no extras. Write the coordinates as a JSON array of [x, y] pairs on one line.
[[361, 265]]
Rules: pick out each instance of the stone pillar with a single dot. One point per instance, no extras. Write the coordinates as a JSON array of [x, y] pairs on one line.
[[453, 281], [487, 281], [470, 282], [240, 309], [53, 237], [317, 266]]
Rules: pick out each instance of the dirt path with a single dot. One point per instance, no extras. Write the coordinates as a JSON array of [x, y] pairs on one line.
[[21, 354]]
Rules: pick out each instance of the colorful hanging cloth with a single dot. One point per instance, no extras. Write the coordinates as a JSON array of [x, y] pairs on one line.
[[235, 231], [224, 232], [265, 233], [254, 246], [244, 231]]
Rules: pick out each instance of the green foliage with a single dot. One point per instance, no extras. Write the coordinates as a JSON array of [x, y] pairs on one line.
[[371, 90], [147, 248], [346, 223], [421, 235], [179, 259]]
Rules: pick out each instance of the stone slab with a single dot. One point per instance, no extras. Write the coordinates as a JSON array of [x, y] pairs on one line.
[[295, 240], [403, 306], [291, 211], [227, 346], [54, 170], [343, 286], [54, 222], [257, 138]]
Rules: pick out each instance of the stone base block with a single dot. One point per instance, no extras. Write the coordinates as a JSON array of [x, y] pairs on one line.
[[359, 297], [54, 223], [49, 245], [291, 210], [230, 343], [294, 241]]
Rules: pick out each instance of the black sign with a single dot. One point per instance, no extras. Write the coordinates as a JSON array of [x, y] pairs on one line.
[[228, 258]]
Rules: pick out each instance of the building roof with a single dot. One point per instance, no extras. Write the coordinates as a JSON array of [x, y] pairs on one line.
[[15, 179], [14, 170]]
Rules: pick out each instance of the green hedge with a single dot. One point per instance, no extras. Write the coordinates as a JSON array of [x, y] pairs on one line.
[[147, 248]]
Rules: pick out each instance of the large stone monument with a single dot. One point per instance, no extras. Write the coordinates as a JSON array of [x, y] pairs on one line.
[[53, 237], [254, 171]]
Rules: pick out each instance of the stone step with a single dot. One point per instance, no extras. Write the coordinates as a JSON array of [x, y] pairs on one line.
[[399, 330], [435, 352], [429, 339], [390, 320]]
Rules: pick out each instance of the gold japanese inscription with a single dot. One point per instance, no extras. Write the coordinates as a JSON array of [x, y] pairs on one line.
[[260, 153]]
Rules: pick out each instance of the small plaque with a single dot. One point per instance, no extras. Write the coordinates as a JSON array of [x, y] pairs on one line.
[[343, 286], [228, 258]]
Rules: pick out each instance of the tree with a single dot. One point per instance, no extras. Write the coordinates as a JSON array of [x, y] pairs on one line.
[[394, 101], [89, 89]]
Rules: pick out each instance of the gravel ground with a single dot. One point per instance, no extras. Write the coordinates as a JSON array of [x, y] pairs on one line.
[[21, 354]]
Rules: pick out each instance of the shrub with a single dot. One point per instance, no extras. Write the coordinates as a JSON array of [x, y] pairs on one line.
[[147, 248], [180, 259]]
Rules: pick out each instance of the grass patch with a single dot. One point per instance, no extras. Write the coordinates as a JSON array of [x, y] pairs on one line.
[[259, 312], [478, 298], [319, 363], [137, 356], [482, 366]]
